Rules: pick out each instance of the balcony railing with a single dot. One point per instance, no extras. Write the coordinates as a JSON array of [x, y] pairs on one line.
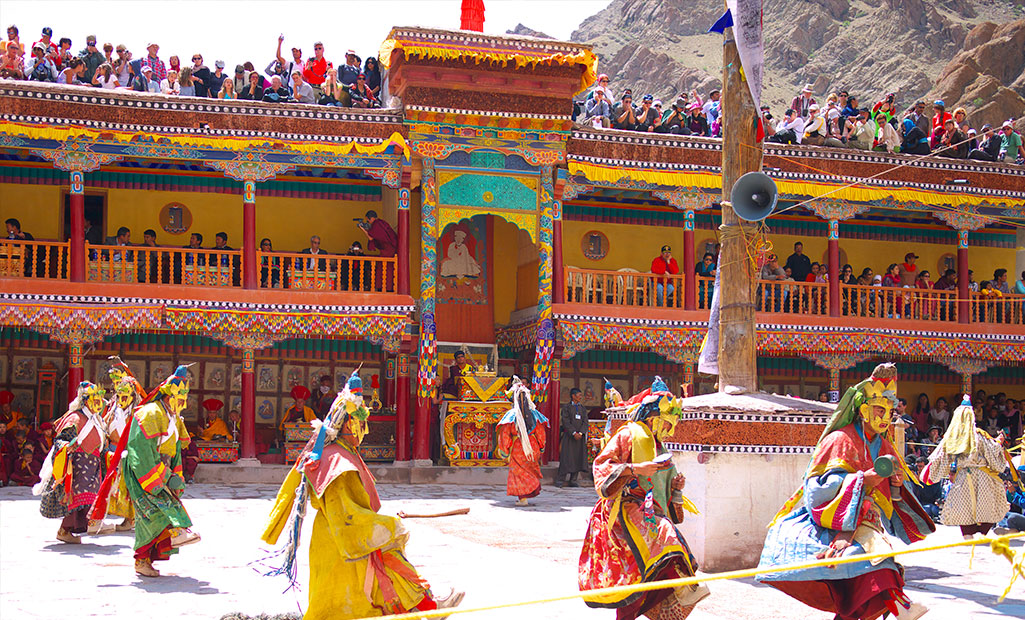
[[43, 260], [633, 289], [623, 288], [163, 265], [327, 272]]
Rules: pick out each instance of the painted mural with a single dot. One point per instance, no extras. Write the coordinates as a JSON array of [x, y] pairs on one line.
[[462, 262]]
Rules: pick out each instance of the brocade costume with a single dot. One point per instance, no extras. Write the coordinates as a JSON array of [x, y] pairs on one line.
[[836, 502], [631, 536], [522, 433], [77, 462]]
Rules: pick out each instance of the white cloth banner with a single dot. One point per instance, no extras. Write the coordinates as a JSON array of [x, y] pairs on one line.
[[708, 356], [747, 30]]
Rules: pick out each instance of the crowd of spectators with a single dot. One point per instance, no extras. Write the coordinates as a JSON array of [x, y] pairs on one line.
[[842, 122], [314, 80]]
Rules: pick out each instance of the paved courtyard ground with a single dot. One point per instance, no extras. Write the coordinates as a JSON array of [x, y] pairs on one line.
[[497, 553]]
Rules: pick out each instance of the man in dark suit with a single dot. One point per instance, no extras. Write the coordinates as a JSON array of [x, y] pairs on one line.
[[573, 449], [314, 250]]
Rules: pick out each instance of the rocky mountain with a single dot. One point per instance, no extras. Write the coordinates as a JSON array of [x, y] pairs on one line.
[[528, 32], [869, 47]]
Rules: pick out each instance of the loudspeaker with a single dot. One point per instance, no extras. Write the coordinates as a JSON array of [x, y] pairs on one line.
[[754, 196]]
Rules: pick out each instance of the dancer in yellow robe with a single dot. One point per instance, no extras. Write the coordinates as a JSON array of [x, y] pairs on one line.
[[358, 566]]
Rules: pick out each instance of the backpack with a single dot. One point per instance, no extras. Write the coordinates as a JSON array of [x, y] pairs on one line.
[[41, 72]]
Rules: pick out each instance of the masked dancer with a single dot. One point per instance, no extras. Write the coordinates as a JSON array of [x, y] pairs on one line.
[[522, 433]]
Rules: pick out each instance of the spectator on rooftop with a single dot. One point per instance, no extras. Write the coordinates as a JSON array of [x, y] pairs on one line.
[[46, 38], [696, 121], [803, 102], [767, 120], [624, 116], [108, 54], [12, 66], [301, 91], [602, 84], [334, 93], [64, 55], [315, 70], [1011, 145], [153, 61], [362, 96], [348, 72], [864, 132], [123, 66], [675, 120], [915, 141], [709, 109], [961, 120], [917, 115], [105, 78], [850, 110], [815, 128], [145, 83], [954, 142], [187, 83], [940, 116], [227, 89], [276, 92], [372, 69], [790, 130], [40, 68], [597, 110], [201, 76], [973, 140], [174, 63], [887, 106], [647, 118], [253, 91], [92, 57], [285, 68], [240, 81], [170, 85], [886, 139], [72, 73], [216, 82]]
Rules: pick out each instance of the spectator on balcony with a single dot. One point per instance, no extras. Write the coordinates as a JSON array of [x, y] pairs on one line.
[[940, 116], [973, 286], [799, 263], [954, 142], [940, 414], [270, 266], [355, 273], [802, 103], [815, 128], [597, 111], [361, 95], [381, 235], [93, 234], [647, 117], [227, 89], [988, 148], [674, 120], [145, 83], [705, 269], [915, 141], [372, 70], [790, 130], [14, 231], [920, 414], [253, 91], [170, 84], [664, 264], [123, 238], [157, 266], [696, 122], [314, 250], [325, 397], [276, 92], [195, 258], [908, 271], [926, 308], [153, 61], [301, 91], [12, 66], [40, 68], [624, 116], [1011, 145], [1000, 281], [946, 282], [123, 66], [349, 71], [847, 275], [1019, 286], [92, 57], [774, 293]]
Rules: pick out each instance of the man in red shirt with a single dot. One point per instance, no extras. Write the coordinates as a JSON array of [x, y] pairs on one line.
[[316, 68], [664, 264]]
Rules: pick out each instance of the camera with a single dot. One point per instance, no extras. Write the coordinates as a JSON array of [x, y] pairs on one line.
[[361, 223]]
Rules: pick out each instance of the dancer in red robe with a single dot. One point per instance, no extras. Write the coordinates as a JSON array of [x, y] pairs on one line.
[[521, 439]]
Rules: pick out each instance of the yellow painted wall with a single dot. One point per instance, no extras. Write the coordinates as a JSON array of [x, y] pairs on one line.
[[37, 207], [630, 245]]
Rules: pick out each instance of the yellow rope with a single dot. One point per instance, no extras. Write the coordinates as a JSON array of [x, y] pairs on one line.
[[999, 545]]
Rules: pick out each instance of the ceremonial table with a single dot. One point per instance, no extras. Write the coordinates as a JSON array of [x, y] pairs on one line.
[[468, 437]]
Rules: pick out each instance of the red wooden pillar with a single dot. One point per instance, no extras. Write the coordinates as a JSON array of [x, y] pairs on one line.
[[689, 278], [248, 404], [403, 224], [833, 241], [964, 308], [250, 274], [402, 452], [77, 239], [76, 373]]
